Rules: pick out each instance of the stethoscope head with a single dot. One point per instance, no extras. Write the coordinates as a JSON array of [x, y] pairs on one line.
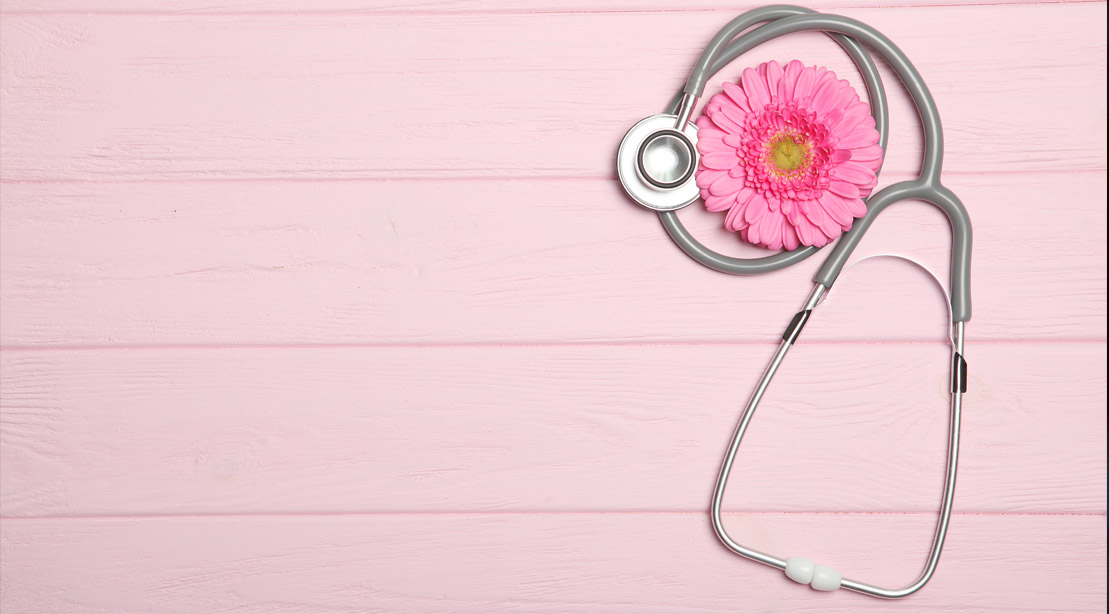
[[656, 163]]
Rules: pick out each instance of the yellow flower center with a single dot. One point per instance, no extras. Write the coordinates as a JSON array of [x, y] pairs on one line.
[[788, 154]]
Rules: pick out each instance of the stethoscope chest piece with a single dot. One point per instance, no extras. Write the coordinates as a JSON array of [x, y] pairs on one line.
[[656, 163]]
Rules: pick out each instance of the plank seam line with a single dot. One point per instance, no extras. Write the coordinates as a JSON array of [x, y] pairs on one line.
[[495, 12], [78, 517], [465, 178], [568, 344]]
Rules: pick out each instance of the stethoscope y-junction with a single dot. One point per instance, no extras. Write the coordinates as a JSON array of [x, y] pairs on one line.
[[657, 161]]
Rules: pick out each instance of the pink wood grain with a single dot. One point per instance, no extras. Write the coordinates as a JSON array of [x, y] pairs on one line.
[[157, 97], [336, 306], [357, 7], [541, 428], [507, 262], [545, 563]]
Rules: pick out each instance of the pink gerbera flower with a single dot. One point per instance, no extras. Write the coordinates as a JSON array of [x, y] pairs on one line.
[[789, 154]]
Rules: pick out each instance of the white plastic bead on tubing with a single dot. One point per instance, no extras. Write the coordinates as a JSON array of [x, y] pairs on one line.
[[820, 577], [799, 569], [825, 578]]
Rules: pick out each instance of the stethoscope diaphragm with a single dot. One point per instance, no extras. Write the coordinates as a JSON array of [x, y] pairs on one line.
[[656, 163]]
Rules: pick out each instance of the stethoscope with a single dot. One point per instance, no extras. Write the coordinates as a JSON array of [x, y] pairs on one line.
[[656, 164]]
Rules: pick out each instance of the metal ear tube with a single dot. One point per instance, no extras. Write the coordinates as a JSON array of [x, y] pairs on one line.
[[655, 161]]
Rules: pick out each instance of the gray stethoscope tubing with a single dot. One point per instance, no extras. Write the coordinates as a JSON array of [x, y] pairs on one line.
[[724, 48]]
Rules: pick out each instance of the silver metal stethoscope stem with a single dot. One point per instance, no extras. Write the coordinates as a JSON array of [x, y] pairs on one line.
[[737, 437], [685, 111], [789, 338]]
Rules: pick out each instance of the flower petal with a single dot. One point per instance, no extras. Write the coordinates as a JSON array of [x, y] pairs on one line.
[[803, 88], [738, 97], [794, 215], [725, 123], [734, 141], [709, 131], [854, 172], [705, 176], [756, 208], [865, 190], [843, 188], [718, 203], [866, 154], [770, 231], [835, 208], [813, 211], [789, 238], [710, 145], [734, 113], [858, 138], [824, 96], [755, 87], [830, 227], [846, 96], [823, 77], [805, 230], [720, 160], [772, 72], [853, 115], [726, 185], [734, 220], [789, 80], [855, 207], [752, 231]]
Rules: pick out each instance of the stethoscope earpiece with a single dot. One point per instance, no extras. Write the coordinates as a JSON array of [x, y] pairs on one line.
[[656, 163]]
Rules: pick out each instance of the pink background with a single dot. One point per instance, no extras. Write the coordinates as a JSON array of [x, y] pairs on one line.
[[337, 306]]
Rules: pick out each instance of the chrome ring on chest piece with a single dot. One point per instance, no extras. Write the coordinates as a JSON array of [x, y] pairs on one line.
[[656, 163]]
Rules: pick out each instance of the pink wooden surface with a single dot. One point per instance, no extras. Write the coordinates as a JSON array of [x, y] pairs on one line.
[[548, 563], [291, 430], [337, 307], [342, 263], [547, 95]]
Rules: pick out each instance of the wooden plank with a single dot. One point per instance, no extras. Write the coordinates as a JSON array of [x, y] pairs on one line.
[[845, 427], [507, 262], [357, 7], [449, 95], [642, 563]]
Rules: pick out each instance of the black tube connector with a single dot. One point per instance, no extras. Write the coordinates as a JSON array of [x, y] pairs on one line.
[[795, 325], [958, 373]]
